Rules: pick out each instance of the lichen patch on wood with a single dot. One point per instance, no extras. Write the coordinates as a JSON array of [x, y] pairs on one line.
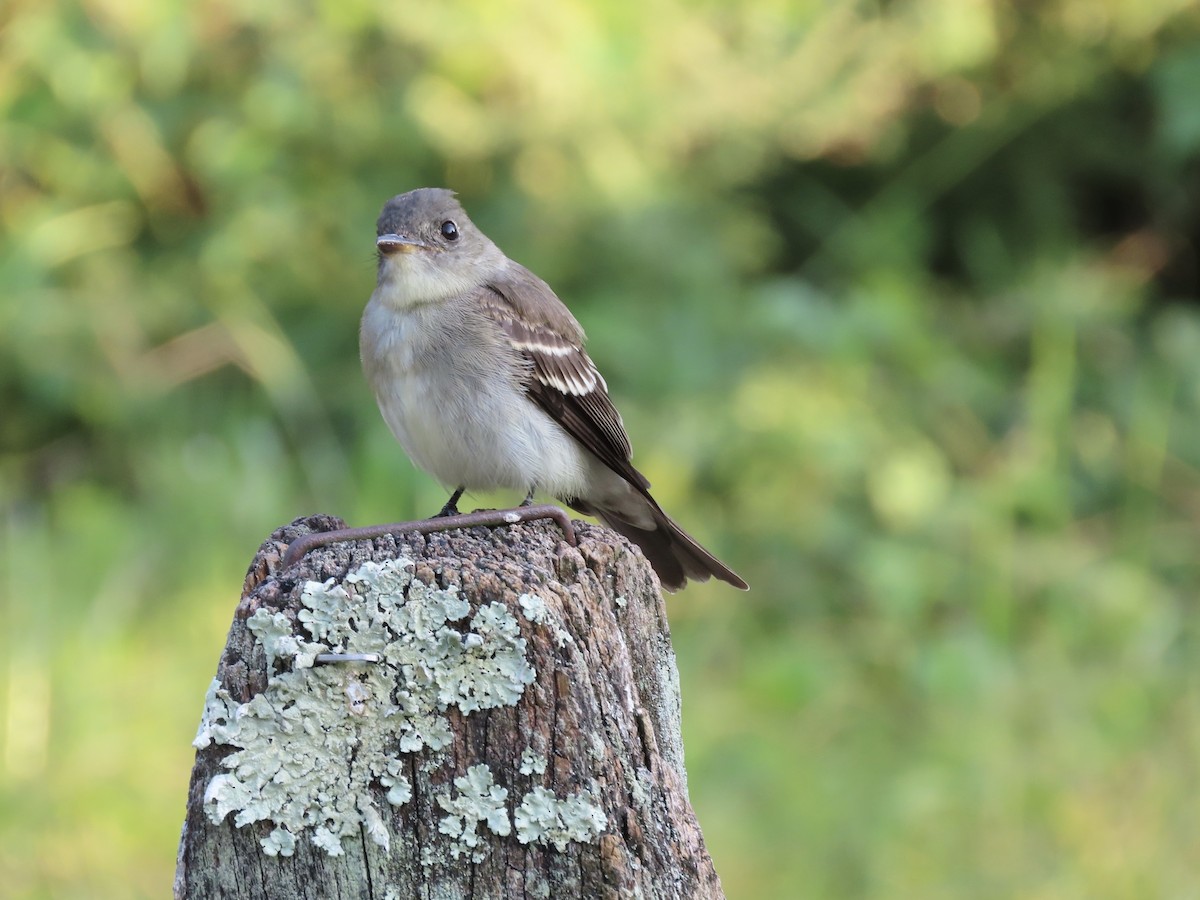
[[312, 744]]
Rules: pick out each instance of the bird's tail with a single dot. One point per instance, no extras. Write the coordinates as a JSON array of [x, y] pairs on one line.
[[674, 554]]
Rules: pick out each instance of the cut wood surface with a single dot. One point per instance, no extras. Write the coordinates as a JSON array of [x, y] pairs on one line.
[[481, 713]]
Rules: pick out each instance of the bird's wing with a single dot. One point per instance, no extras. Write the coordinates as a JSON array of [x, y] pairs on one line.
[[564, 381]]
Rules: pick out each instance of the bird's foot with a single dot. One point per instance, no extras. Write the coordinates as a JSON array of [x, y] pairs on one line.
[[451, 507], [528, 501]]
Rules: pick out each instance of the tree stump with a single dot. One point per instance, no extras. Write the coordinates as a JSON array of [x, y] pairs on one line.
[[499, 717]]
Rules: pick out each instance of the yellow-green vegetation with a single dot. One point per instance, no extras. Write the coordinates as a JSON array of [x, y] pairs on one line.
[[899, 300]]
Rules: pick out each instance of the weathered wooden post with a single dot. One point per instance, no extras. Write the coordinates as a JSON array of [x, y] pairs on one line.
[[475, 713]]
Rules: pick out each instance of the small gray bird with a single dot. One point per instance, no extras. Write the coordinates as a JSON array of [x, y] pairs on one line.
[[480, 372]]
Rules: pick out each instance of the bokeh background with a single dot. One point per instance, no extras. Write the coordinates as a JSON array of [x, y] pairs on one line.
[[899, 300]]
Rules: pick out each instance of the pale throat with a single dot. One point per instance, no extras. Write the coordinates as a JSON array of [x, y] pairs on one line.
[[414, 279]]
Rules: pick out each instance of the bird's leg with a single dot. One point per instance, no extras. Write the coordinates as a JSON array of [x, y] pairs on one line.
[[451, 507], [528, 501]]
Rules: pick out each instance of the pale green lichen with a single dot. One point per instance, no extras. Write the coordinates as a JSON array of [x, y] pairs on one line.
[[274, 632], [638, 783], [620, 602], [543, 818], [534, 608], [532, 763], [597, 747], [279, 842], [399, 787], [479, 799], [537, 612], [311, 744]]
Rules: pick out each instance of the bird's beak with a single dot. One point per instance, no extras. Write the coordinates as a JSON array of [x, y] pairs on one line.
[[398, 243]]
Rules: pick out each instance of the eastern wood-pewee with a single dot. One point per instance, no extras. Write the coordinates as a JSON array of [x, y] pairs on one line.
[[480, 372]]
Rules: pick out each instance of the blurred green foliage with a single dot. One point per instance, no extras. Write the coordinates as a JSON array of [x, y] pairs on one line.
[[899, 302]]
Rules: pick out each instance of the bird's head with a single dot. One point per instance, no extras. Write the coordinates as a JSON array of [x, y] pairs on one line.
[[429, 249]]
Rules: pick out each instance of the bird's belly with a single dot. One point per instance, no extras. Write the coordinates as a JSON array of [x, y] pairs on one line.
[[481, 436]]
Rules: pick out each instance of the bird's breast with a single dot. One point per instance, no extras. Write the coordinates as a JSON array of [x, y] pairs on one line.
[[451, 390]]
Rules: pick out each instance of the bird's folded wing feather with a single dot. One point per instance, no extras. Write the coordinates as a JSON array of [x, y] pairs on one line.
[[564, 381]]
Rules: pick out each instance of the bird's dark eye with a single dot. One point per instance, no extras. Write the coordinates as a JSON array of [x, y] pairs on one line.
[[450, 231]]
